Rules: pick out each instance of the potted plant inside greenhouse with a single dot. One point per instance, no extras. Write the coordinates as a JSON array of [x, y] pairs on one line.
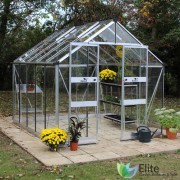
[[75, 128], [30, 86], [107, 75], [169, 119]]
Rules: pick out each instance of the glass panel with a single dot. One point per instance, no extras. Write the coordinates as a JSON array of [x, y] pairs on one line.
[[60, 47], [39, 48], [84, 87], [108, 35], [89, 34], [135, 67], [123, 36], [153, 61]]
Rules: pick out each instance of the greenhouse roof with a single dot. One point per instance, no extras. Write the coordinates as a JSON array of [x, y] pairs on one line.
[[55, 48]]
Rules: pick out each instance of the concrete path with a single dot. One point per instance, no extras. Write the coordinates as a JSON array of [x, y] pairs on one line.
[[109, 147]]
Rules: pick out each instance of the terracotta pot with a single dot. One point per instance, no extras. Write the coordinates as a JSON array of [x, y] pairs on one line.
[[120, 82], [170, 135], [30, 89], [73, 146]]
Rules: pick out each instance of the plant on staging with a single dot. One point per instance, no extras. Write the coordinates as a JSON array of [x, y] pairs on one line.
[[107, 74]]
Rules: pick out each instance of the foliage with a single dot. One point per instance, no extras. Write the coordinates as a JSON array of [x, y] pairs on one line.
[[168, 118], [107, 74], [22, 25], [157, 25], [82, 11], [53, 137], [154, 22], [112, 98], [75, 128]]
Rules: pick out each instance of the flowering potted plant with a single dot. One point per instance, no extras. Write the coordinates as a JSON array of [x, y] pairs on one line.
[[169, 119], [75, 128], [107, 75], [30, 86], [53, 137]]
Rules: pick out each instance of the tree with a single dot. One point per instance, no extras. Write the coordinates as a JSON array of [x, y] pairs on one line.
[[157, 24], [20, 29], [82, 11]]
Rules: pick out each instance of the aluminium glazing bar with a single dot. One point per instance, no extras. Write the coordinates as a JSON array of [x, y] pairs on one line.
[[163, 74], [112, 43], [122, 96], [147, 83], [19, 97], [97, 93], [151, 66], [35, 96], [70, 91], [44, 89], [115, 33], [57, 93], [26, 95], [13, 91], [33, 63]]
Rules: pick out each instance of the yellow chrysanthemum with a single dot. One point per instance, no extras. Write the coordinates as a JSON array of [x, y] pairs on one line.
[[107, 74], [53, 136]]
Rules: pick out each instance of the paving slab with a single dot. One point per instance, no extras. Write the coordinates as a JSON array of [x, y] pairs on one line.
[[82, 158], [105, 155], [56, 161], [126, 152], [66, 152], [109, 145]]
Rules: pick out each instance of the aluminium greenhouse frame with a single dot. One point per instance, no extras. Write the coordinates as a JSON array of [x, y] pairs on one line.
[[92, 45]]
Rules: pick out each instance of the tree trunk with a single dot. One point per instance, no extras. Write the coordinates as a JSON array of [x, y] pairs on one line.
[[154, 33], [4, 21]]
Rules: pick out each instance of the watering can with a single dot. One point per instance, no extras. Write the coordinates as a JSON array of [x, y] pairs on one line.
[[144, 134]]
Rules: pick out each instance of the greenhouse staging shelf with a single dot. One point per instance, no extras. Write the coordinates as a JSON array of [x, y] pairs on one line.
[[117, 118]]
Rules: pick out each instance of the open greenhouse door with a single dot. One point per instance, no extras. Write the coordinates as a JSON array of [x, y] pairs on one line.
[[84, 88], [134, 89]]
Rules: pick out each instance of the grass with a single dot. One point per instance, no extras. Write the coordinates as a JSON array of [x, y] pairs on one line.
[[15, 163], [5, 103]]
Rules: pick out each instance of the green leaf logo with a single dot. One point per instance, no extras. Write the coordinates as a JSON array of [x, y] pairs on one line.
[[125, 171]]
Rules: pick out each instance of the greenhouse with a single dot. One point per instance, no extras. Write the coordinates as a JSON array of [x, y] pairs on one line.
[[98, 72]]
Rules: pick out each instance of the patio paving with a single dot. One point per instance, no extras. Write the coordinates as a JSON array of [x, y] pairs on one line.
[[109, 146]]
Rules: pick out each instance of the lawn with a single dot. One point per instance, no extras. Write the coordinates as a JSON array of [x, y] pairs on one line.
[[15, 163]]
